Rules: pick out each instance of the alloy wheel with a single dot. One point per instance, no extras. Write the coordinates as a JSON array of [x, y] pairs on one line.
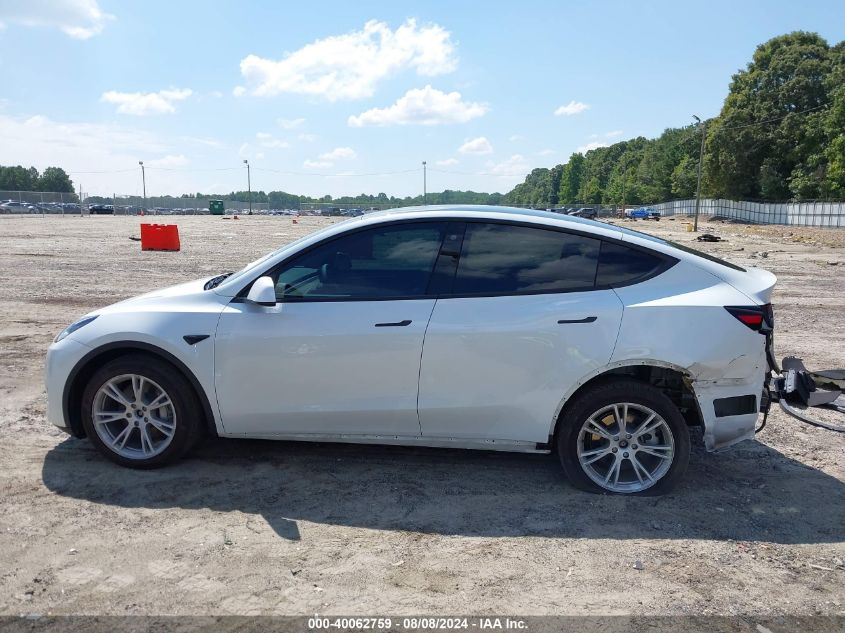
[[625, 447], [134, 416]]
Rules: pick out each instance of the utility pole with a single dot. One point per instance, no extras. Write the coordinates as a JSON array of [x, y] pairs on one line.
[[700, 161], [248, 185], [425, 194], [144, 183]]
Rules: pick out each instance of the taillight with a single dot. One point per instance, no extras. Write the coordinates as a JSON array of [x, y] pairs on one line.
[[758, 318]]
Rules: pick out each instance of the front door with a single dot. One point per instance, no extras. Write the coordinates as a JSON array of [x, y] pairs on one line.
[[339, 353]]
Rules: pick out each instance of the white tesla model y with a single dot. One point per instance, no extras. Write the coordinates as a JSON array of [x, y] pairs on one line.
[[472, 327]]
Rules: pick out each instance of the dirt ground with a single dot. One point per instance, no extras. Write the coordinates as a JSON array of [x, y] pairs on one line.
[[245, 527]]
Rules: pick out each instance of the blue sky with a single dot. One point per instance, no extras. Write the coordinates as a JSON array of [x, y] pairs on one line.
[[350, 97]]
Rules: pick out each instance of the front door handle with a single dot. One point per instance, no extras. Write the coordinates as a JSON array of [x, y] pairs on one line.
[[588, 319], [396, 324]]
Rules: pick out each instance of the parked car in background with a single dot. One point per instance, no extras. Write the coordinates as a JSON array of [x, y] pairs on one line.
[[450, 326], [644, 213], [585, 212], [101, 209]]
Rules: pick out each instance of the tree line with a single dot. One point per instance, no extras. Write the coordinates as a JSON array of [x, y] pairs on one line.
[[283, 200], [19, 178], [780, 135]]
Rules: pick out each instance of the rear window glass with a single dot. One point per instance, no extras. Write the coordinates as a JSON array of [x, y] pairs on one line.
[[619, 264], [507, 259], [680, 247]]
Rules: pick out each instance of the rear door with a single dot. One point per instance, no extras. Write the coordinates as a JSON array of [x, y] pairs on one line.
[[520, 325]]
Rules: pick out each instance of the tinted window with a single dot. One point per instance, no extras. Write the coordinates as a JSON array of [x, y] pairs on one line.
[[377, 263], [619, 264], [680, 247], [501, 258]]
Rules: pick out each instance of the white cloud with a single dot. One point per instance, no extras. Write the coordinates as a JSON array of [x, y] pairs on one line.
[[573, 107], [289, 124], [339, 153], [478, 145], [92, 147], [168, 161], [266, 140], [207, 142], [447, 162], [144, 103], [308, 138], [545, 152], [350, 66], [593, 145], [239, 91], [317, 164], [516, 165], [80, 19], [516, 137], [422, 106], [611, 134]]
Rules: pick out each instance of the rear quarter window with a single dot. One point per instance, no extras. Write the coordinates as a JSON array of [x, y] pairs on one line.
[[621, 265]]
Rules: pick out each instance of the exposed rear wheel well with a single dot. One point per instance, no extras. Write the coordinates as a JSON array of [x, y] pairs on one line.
[[87, 366], [671, 382]]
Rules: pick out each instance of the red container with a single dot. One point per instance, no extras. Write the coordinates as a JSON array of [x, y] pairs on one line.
[[159, 237]]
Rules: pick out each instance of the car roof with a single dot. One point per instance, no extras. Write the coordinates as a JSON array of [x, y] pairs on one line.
[[492, 212]]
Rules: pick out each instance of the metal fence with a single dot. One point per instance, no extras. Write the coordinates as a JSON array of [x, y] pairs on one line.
[[815, 213]]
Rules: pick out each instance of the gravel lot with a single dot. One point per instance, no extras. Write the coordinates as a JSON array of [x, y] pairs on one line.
[[245, 527]]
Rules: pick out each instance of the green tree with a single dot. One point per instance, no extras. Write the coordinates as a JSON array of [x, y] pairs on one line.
[[684, 178], [570, 180], [761, 141], [55, 179], [18, 178]]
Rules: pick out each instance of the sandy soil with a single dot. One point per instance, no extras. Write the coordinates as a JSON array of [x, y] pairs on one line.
[[270, 527]]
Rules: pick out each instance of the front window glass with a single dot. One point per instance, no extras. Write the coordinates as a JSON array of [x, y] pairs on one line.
[[379, 263]]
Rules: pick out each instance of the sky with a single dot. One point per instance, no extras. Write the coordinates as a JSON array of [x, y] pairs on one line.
[[342, 98]]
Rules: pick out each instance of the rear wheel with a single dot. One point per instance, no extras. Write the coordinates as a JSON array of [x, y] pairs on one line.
[[140, 412], [624, 437]]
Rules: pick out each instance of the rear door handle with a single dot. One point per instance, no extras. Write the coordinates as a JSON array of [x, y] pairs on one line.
[[396, 324], [588, 319]]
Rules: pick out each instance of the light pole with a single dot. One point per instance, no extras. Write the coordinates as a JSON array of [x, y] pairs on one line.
[[248, 185], [144, 183], [700, 161], [425, 195]]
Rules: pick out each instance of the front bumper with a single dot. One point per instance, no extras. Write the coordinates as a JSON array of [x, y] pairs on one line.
[[62, 357]]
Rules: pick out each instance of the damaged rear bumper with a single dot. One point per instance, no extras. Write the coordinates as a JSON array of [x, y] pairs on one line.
[[730, 407]]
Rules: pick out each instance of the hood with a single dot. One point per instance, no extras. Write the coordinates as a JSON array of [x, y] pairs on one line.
[[179, 290]]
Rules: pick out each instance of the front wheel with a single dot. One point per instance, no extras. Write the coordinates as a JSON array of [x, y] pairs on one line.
[[624, 437], [140, 412]]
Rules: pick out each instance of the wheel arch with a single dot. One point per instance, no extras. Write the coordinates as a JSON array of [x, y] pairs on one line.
[[88, 364], [671, 379]]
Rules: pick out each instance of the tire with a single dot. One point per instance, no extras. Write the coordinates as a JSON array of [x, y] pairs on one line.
[[662, 451], [170, 430]]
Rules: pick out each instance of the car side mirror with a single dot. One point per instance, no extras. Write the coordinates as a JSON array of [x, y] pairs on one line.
[[263, 292]]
